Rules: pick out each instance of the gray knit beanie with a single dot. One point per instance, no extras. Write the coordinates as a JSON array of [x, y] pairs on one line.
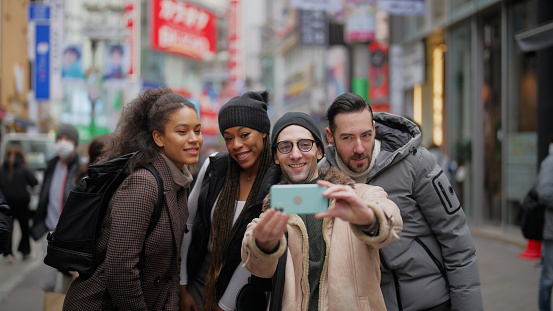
[[296, 118], [249, 110], [68, 131]]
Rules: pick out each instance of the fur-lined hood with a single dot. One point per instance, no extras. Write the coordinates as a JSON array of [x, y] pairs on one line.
[[330, 174]]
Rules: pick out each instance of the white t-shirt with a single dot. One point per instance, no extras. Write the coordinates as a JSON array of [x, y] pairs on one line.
[[241, 274]]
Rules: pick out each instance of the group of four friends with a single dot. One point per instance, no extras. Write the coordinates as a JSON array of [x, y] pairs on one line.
[[394, 236]]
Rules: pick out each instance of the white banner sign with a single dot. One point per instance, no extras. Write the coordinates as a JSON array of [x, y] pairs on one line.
[[317, 5], [401, 7]]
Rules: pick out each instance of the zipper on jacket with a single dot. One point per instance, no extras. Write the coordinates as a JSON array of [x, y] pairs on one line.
[[436, 261], [442, 189], [396, 279]]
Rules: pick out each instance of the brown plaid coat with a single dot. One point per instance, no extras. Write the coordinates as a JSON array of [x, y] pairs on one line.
[[125, 281]]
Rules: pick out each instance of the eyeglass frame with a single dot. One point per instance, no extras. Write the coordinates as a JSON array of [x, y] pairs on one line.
[[313, 142]]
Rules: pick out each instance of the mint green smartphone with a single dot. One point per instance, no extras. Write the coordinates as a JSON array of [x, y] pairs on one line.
[[299, 199]]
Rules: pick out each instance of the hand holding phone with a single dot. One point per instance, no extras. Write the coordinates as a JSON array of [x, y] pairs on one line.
[[299, 199]]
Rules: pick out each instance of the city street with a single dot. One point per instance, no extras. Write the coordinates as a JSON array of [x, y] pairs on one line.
[[508, 282]]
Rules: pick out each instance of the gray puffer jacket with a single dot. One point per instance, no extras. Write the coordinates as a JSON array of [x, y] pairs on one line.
[[544, 188], [435, 258]]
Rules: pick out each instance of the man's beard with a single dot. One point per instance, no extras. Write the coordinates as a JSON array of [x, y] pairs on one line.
[[357, 168]]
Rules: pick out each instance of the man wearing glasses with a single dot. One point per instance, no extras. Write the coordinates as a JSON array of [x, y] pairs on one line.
[[332, 257]]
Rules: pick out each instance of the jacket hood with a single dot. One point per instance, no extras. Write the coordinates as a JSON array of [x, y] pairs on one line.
[[398, 135], [331, 174]]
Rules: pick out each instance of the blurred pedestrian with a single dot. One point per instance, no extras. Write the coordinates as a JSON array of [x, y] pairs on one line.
[[141, 272], [433, 266], [5, 223], [95, 150], [544, 188], [442, 159], [59, 179], [16, 179], [228, 194]]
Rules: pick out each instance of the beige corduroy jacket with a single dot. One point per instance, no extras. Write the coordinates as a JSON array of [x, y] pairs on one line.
[[351, 273]]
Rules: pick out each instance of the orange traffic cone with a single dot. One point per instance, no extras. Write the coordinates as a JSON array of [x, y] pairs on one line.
[[532, 251]]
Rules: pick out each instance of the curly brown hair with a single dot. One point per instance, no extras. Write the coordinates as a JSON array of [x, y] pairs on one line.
[[148, 112]]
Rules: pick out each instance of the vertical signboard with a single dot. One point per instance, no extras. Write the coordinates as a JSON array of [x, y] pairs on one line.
[[379, 77], [182, 28], [56, 23], [234, 41], [132, 23], [39, 15]]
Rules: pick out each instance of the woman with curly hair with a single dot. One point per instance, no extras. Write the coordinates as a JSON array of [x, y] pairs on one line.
[[142, 272], [227, 195]]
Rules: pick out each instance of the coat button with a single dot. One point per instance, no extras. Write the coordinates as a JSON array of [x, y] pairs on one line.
[[158, 279]]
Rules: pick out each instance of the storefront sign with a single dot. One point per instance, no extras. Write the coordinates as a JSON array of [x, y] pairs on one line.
[[40, 15], [413, 65], [132, 24], [57, 28], [402, 7], [360, 24], [319, 5], [234, 41], [182, 28], [313, 28], [379, 77]]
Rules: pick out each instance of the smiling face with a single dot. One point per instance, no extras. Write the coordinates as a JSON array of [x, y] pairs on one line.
[[354, 139], [182, 139], [298, 167], [244, 145]]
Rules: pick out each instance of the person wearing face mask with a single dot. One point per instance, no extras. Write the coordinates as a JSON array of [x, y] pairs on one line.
[[59, 179]]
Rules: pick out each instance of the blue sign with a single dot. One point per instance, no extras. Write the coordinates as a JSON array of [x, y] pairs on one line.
[[41, 68], [39, 12]]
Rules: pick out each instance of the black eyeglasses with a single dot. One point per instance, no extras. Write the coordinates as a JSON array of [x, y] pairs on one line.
[[304, 145]]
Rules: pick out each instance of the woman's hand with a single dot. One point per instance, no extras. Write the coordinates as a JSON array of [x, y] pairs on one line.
[[186, 301]]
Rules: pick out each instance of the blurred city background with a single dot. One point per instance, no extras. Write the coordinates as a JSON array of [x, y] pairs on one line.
[[474, 74]]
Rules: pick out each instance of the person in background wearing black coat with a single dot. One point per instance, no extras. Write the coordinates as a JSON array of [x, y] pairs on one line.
[[15, 180], [5, 223]]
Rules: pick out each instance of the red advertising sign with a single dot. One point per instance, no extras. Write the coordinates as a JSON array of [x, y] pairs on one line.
[[234, 41], [379, 77], [182, 28], [129, 17]]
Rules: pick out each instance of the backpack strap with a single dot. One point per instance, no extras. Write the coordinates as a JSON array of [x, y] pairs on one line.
[[157, 212]]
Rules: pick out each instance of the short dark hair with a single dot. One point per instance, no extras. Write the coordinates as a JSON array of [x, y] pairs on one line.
[[346, 103]]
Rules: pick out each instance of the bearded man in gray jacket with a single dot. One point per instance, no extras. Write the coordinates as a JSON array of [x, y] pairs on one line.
[[433, 266]]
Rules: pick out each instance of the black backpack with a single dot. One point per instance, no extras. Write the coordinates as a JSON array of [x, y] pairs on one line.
[[531, 216], [72, 245]]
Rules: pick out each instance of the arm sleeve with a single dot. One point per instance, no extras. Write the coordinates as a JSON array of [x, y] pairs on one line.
[[255, 260], [132, 207], [544, 186], [238, 280], [387, 216], [31, 178], [192, 208], [446, 219]]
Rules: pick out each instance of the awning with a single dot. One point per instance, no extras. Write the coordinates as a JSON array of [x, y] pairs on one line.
[[535, 39]]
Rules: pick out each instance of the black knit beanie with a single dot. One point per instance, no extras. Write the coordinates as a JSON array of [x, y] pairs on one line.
[[296, 118], [249, 110], [68, 131]]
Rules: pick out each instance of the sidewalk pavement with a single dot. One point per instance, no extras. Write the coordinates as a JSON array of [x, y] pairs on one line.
[[508, 282]]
